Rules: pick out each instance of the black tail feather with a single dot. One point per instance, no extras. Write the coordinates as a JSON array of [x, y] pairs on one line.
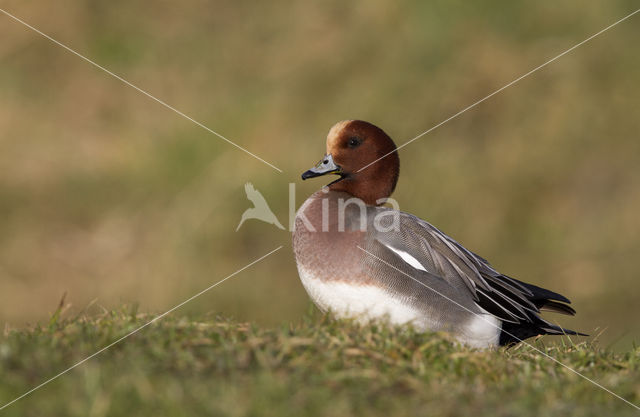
[[517, 332], [544, 300], [542, 293], [556, 307]]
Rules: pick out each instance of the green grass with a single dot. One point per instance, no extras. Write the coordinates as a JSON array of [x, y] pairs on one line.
[[211, 365]]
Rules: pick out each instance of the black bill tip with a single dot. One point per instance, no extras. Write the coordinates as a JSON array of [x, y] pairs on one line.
[[311, 174]]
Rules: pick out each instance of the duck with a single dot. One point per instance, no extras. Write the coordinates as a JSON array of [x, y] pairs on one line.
[[357, 257]]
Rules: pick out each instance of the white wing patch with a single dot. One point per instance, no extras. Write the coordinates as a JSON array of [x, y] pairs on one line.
[[407, 258]]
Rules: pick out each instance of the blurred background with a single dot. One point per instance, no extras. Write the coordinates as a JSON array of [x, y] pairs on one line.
[[112, 198]]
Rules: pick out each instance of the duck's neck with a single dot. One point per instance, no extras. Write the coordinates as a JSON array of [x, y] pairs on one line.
[[372, 191]]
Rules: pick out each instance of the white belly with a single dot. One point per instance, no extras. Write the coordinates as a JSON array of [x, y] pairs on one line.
[[366, 302], [363, 302]]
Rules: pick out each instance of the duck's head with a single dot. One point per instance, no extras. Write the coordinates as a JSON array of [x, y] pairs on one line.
[[354, 149]]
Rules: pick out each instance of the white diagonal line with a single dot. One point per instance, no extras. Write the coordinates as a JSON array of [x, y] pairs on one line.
[[138, 89], [139, 328], [500, 89], [499, 328]]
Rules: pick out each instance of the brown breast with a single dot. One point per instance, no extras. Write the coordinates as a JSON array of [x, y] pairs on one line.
[[326, 242]]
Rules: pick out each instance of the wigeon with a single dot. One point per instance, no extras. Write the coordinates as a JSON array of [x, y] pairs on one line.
[[358, 258]]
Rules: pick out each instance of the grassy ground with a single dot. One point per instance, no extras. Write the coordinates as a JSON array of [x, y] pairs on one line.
[[216, 366]]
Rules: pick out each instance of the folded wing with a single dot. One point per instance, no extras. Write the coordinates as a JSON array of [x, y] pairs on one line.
[[509, 299]]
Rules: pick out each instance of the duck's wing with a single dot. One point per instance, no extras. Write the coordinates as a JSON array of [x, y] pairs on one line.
[[418, 244]]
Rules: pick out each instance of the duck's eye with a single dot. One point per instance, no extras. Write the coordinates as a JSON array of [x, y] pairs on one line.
[[354, 142]]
